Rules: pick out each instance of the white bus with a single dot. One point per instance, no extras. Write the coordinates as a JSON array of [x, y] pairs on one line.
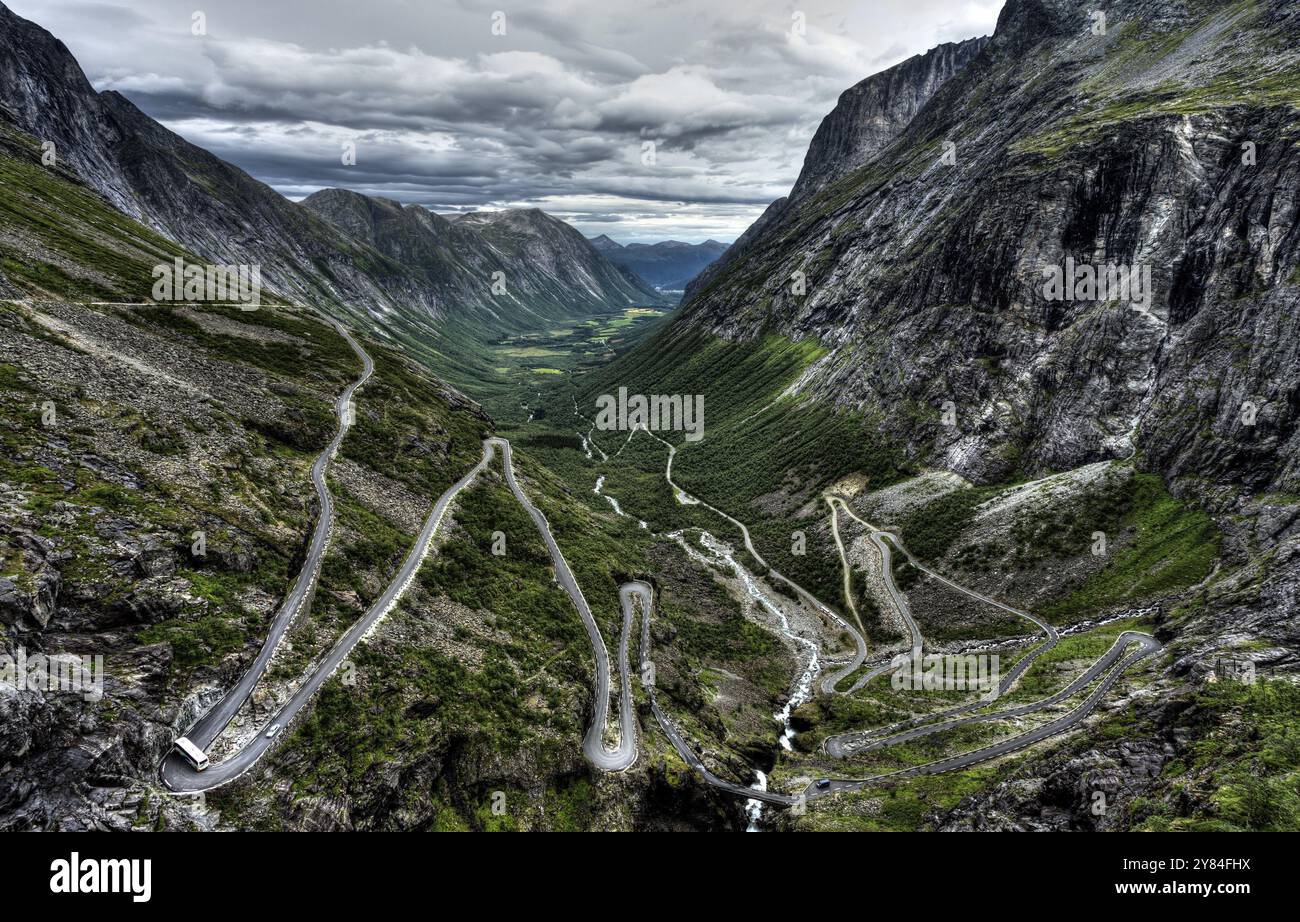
[[191, 753]]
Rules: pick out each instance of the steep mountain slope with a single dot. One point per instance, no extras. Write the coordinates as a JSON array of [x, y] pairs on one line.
[[669, 265], [925, 280], [912, 281], [180, 190], [547, 270], [542, 250], [155, 505], [222, 214], [867, 117], [870, 115], [154, 493]]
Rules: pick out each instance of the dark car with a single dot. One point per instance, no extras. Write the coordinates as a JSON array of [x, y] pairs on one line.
[[823, 783]]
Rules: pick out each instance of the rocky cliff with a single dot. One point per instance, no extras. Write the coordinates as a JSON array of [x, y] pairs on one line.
[[867, 117], [871, 114], [1159, 143], [1154, 146]]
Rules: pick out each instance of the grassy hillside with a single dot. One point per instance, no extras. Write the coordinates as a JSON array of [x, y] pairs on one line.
[[63, 239]]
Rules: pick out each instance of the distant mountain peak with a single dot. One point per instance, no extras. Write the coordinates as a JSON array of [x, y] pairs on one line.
[[668, 265]]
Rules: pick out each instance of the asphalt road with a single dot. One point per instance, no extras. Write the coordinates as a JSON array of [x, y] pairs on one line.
[[630, 594], [593, 744], [928, 724], [859, 642], [900, 601], [1147, 646], [179, 776], [210, 725], [1007, 682], [851, 744]]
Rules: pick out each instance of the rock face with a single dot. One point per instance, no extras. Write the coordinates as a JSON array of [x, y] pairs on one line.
[[222, 214], [925, 264], [669, 265], [1069, 794], [871, 114], [918, 254], [867, 117]]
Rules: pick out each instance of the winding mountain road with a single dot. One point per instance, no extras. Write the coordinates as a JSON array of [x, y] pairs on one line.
[[1147, 645], [212, 723], [1108, 668], [593, 745], [180, 776], [859, 642]]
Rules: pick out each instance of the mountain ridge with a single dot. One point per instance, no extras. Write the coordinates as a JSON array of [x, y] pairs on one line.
[[223, 214], [669, 265], [904, 228]]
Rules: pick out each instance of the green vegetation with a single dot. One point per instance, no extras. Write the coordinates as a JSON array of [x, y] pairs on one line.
[[1173, 546], [1080, 651], [931, 529], [505, 372], [1142, 48], [404, 428], [202, 642], [906, 806], [484, 697], [95, 252], [1246, 751], [762, 459], [245, 337]]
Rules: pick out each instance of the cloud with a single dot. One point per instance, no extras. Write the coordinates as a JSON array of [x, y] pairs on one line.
[[552, 114]]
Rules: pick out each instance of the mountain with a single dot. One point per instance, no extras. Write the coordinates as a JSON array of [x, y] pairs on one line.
[[156, 177], [896, 317], [871, 114], [549, 271], [866, 118], [156, 485], [545, 250], [1068, 146], [219, 212], [668, 265]]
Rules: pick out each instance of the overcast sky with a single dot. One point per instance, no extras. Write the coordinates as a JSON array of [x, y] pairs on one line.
[[554, 113]]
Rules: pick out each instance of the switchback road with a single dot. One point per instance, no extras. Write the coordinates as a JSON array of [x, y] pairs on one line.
[[180, 776]]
